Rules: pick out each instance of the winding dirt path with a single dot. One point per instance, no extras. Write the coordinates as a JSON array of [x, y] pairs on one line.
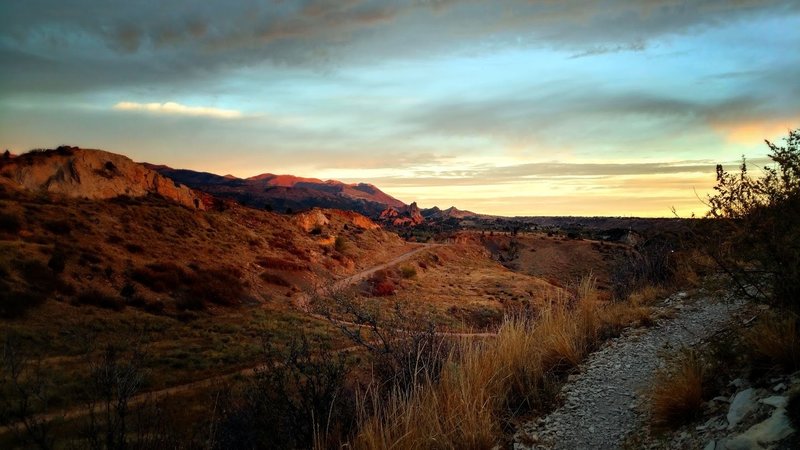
[[139, 399], [602, 405]]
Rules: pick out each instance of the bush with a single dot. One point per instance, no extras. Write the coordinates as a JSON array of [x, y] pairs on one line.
[[134, 248], [275, 279], [297, 394], [340, 244], [38, 276], [160, 277], [383, 288], [272, 262], [192, 289], [15, 303], [757, 240], [221, 286], [99, 299], [774, 343], [58, 260], [9, 223], [650, 264], [59, 227], [408, 272]]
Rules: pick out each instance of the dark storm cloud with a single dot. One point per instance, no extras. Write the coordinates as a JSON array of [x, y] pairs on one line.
[[142, 42]]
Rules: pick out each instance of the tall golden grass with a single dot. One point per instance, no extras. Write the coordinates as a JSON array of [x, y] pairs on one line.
[[774, 342], [484, 383], [677, 392]]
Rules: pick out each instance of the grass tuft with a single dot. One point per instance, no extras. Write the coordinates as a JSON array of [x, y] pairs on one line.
[[678, 391], [774, 343]]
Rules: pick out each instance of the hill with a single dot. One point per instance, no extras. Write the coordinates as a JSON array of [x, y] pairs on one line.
[[286, 192], [92, 174], [92, 226]]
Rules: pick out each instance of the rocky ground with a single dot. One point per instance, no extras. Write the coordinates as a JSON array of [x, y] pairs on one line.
[[604, 406], [750, 418]]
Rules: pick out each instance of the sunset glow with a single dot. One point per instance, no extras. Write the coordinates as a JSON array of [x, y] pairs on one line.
[[444, 103]]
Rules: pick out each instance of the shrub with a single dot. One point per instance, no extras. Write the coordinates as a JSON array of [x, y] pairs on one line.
[[272, 262], [159, 277], [88, 258], [38, 276], [99, 299], [296, 394], [756, 241], [221, 286], [188, 302], [340, 244], [9, 223], [408, 272], [275, 279], [383, 288], [192, 289], [128, 290], [678, 391], [155, 307], [57, 226], [774, 343], [15, 303], [58, 260], [651, 264], [134, 248]]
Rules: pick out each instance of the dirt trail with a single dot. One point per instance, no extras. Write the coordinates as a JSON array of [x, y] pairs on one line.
[[302, 301], [602, 404], [139, 399]]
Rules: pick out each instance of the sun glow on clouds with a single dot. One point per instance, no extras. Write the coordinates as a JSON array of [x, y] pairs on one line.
[[173, 108], [755, 131]]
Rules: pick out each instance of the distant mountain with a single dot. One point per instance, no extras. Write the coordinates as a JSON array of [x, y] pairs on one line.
[[92, 174], [282, 192]]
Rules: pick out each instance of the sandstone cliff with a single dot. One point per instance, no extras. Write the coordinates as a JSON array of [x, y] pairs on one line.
[[92, 174]]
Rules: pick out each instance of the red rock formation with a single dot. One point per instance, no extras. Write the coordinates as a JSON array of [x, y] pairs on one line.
[[93, 174]]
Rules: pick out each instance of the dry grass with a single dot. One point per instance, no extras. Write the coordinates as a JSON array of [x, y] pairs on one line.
[[485, 383], [678, 390], [774, 342], [647, 295]]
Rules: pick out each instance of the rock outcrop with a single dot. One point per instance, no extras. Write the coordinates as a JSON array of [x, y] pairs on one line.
[[403, 216], [92, 174], [318, 218]]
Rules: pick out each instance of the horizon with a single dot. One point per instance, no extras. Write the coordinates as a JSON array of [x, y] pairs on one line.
[[527, 109]]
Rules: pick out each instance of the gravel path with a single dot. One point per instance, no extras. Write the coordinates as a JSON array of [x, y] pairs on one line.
[[601, 404]]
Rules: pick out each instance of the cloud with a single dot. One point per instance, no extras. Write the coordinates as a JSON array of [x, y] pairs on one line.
[[756, 130], [123, 43], [604, 49], [172, 108]]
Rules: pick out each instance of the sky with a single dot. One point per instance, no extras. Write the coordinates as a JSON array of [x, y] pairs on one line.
[[536, 107]]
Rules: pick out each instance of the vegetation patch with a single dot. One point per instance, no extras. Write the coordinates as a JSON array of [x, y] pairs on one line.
[[678, 391]]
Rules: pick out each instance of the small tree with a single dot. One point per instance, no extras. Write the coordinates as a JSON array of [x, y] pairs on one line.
[[758, 242]]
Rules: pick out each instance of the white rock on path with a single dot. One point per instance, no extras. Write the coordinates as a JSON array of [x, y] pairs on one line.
[[761, 435], [776, 401], [742, 405]]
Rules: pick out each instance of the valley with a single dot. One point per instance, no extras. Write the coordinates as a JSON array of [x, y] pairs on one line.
[[193, 302]]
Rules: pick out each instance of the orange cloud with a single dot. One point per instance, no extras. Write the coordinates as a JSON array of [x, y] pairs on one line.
[[755, 131]]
